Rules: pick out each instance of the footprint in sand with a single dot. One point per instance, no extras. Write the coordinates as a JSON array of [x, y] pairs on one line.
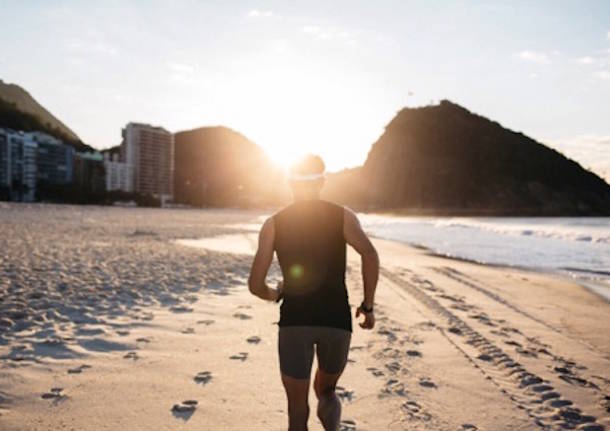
[[254, 339], [54, 394], [455, 330], [469, 427], [347, 425], [393, 367], [374, 371], [394, 387], [185, 409], [188, 331], [245, 306], [203, 377], [512, 343], [411, 406], [242, 316], [526, 352], [415, 411], [122, 332], [414, 353], [181, 309], [79, 369], [484, 357], [605, 402], [206, 322], [426, 383], [131, 355], [241, 356], [344, 394], [143, 340]]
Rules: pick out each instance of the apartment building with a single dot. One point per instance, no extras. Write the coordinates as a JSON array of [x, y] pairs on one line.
[[55, 160], [119, 175], [89, 172], [150, 151], [18, 167]]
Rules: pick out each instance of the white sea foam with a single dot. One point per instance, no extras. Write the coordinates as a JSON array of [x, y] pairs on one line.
[[579, 247]]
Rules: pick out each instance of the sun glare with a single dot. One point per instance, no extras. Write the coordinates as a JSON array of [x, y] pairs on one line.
[[291, 110]]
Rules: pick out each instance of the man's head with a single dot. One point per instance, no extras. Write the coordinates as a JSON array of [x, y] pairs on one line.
[[307, 177]]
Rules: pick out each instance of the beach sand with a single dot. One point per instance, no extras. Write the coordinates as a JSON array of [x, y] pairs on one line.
[[109, 321]]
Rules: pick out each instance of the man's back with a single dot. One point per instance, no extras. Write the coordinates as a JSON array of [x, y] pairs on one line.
[[311, 250], [309, 238]]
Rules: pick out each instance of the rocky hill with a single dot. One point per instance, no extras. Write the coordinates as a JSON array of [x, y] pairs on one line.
[[445, 159], [216, 166], [20, 111]]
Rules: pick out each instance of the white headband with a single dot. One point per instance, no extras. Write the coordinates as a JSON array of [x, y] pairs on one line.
[[309, 177]]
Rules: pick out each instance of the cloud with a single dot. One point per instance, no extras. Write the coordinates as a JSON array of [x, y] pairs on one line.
[[181, 67], [255, 13], [585, 60], [602, 74], [608, 35], [330, 33], [181, 73], [534, 57], [279, 45], [86, 47]]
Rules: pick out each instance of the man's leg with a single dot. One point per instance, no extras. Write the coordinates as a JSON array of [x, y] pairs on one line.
[[329, 406], [332, 350], [297, 392], [295, 345]]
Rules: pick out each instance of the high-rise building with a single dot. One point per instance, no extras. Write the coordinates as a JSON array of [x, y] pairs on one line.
[[18, 168], [89, 172], [150, 151], [54, 161], [119, 175], [5, 164]]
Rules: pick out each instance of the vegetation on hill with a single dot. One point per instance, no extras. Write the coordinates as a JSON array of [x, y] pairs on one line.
[[24, 102], [443, 158], [12, 118]]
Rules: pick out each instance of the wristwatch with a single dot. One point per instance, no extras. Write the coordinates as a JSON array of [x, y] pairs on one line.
[[366, 309]]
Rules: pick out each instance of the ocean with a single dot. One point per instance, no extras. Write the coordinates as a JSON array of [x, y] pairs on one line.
[[578, 248]]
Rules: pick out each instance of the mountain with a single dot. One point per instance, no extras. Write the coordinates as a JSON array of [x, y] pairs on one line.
[[20, 111], [217, 166], [445, 159]]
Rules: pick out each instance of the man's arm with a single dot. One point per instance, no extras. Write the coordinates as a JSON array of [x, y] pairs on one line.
[[355, 236], [262, 262]]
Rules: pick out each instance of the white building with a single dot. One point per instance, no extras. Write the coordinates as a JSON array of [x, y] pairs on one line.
[[119, 175], [150, 151]]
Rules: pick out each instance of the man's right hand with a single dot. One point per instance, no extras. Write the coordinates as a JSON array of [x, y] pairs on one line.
[[369, 318]]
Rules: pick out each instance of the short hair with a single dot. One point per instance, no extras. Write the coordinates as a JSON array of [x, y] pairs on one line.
[[310, 164]]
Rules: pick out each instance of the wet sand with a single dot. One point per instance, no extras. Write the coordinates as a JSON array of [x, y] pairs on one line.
[[108, 320]]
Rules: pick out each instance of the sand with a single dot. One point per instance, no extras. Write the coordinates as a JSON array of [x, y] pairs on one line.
[[109, 320]]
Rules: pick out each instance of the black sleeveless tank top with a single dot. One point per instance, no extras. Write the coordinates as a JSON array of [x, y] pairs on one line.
[[311, 251]]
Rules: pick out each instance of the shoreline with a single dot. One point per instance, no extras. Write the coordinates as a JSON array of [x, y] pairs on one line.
[[601, 290]]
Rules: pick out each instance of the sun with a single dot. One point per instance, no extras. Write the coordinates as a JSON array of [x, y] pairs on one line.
[[281, 156]]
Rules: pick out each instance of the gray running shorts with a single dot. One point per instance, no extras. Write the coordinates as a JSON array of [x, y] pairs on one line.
[[296, 348]]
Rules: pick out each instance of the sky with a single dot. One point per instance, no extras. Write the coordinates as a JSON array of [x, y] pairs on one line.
[[315, 76]]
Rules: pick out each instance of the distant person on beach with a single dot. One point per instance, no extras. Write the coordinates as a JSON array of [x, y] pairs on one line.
[[310, 237]]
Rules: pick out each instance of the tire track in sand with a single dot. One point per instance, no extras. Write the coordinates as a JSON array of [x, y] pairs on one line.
[[474, 284], [547, 407]]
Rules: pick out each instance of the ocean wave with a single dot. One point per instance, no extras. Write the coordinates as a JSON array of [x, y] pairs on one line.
[[600, 234]]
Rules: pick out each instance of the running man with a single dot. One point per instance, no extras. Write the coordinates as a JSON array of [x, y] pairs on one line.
[[310, 237]]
